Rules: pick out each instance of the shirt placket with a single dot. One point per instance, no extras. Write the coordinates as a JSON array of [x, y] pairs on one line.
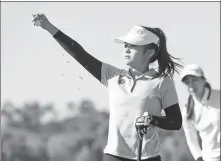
[[134, 82]]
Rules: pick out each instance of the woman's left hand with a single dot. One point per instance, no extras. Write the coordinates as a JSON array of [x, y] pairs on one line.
[[142, 124]]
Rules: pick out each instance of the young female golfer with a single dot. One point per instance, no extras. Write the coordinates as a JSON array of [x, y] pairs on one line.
[[133, 90], [201, 116]]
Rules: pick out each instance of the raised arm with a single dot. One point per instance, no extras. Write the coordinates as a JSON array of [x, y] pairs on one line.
[[90, 63]]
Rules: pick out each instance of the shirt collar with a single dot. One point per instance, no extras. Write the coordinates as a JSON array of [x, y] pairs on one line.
[[148, 74]]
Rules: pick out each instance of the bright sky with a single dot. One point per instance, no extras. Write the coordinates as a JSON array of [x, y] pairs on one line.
[[32, 62]]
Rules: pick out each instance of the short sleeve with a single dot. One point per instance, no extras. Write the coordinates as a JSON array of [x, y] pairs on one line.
[[108, 72], [168, 93]]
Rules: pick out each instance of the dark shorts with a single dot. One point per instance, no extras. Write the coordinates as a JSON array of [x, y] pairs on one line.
[[108, 157]]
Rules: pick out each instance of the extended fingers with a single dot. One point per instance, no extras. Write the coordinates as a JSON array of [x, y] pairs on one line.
[[144, 130], [141, 130], [34, 17], [38, 16]]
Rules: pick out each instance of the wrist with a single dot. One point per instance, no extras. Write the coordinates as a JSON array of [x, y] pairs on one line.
[[153, 120], [51, 29]]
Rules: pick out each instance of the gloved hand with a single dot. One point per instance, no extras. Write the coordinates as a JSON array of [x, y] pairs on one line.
[[142, 124]]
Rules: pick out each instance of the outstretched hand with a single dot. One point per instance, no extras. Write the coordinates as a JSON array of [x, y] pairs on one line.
[[40, 19]]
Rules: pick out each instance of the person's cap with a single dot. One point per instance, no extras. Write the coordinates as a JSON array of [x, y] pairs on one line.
[[138, 35], [193, 69]]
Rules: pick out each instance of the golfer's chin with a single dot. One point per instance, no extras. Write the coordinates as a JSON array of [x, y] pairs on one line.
[[127, 62]]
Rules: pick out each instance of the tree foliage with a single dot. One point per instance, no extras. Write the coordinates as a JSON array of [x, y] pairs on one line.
[[26, 136]]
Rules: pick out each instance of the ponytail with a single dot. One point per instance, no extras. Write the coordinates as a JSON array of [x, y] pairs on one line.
[[208, 86], [190, 106], [166, 63]]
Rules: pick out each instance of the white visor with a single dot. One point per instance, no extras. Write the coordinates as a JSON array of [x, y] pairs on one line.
[[138, 36]]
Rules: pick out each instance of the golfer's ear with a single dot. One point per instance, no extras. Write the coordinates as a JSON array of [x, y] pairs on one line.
[[151, 52]]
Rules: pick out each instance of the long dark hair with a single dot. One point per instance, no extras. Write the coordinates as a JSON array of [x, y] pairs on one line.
[[190, 102], [165, 61]]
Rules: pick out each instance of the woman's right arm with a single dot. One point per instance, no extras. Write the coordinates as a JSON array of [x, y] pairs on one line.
[[90, 63], [192, 138]]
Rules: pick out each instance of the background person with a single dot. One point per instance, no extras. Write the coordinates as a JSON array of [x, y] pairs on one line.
[[201, 116]]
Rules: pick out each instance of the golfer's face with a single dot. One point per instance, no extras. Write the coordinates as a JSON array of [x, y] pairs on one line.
[[133, 54], [195, 84]]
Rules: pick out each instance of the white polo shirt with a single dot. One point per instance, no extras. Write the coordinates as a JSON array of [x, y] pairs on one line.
[[206, 121], [129, 99]]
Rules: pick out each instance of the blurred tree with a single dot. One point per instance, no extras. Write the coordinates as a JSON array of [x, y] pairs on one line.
[[32, 114], [174, 148], [67, 145], [86, 154], [81, 136], [80, 133], [71, 105], [87, 107], [28, 116], [17, 137], [10, 115], [23, 145]]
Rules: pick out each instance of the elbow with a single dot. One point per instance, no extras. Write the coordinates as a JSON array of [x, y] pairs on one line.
[[179, 123], [179, 126]]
